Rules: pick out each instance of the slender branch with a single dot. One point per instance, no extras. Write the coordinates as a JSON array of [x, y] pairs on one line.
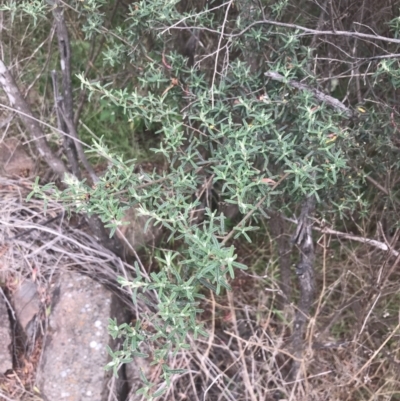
[[321, 21], [307, 31], [67, 113], [373, 182], [277, 226], [316, 31], [368, 241], [81, 153], [68, 143], [195, 15], [67, 110]]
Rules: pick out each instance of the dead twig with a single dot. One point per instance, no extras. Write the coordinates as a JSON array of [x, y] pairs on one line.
[[66, 109]]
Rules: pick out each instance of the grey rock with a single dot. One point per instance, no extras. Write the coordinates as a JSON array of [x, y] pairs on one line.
[[75, 353]]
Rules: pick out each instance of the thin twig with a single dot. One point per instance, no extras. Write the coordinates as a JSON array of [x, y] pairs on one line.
[[69, 146], [67, 110], [316, 31], [307, 31]]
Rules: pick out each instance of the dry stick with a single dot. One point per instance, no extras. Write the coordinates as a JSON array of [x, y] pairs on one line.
[[204, 356], [303, 235], [3, 396], [372, 181], [321, 21], [68, 111], [81, 153], [10, 308], [50, 230], [18, 103], [65, 57], [45, 64], [68, 142], [261, 345], [372, 242], [307, 31], [322, 292], [30, 121], [31, 117], [66, 100], [6, 121], [195, 15], [315, 31]]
